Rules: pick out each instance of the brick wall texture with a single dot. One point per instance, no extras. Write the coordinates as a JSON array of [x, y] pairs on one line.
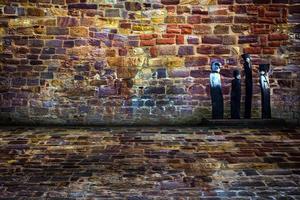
[[141, 61]]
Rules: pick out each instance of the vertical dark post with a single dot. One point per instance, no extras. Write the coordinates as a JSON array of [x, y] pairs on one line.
[[248, 83], [265, 91], [216, 91], [235, 102]]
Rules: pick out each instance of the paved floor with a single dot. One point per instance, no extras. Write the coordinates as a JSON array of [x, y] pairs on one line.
[[149, 163]]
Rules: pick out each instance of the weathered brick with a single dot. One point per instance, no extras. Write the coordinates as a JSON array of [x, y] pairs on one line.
[[154, 90], [82, 6], [195, 61], [35, 12], [165, 41], [112, 13], [79, 32], [17, 82], [237, 28], [242, 19], [133, 6], [147, 36], [274, 37], [222, 50], [205, 49], [166, 50], [252, 50], [175, 19], [195, 19], [229, 40], [46, 75], [193, 40], [69, 43], [217, 19], [57, 31], [10, 10], [67, 21], [196, 89], [185, 50], [221, 29], [227, 2], [37, 111], [33, 82], [36, 62], [148, 42], [248, 39], [170, 2], [48, 51], [182, 73], [202, 29], [186, 29], [261, 1], [53, 43], [179, 39], [175, 90], [212, 39], [36, 43]]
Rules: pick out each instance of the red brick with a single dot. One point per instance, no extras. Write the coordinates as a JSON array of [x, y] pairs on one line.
[[165, 41], [221, 29], [275, 44], [263, 39], [274, 37], [147, 36], [229, 39], [221, 50], [67, 21], [173, 30], [242, 19], [217, 19], [225, 2], [204, 49], [148, 42], [195, 19], [171, 9], [252, 50], [170, 2], [243, 39], [175, 19], [180, 39], [168, 35], [212, 39], [153, 52], [261, 1], [186, 29], [194, 61], [183, 9], [268, 51], [202, 29]]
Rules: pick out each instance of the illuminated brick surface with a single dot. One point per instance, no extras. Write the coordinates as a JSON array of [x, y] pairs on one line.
[[142, 61]]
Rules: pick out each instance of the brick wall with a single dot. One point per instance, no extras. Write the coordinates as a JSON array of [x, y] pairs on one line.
[[143, 61]]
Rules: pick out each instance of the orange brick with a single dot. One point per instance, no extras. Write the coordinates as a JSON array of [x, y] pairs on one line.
[[147, 36], [148, 42], [165, 41], [180, 39], [168, 35]]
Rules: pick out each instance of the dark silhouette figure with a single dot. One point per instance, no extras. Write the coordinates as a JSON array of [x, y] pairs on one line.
[[235, 102], [265, 91], [248, 83], [216, 91]]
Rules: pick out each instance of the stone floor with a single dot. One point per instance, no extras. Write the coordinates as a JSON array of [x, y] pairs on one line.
[[149, 163]]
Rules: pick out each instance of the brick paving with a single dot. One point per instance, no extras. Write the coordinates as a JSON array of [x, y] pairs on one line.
[[149, 163]]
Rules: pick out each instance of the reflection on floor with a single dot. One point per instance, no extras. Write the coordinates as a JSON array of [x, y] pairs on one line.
[[149, 163]]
